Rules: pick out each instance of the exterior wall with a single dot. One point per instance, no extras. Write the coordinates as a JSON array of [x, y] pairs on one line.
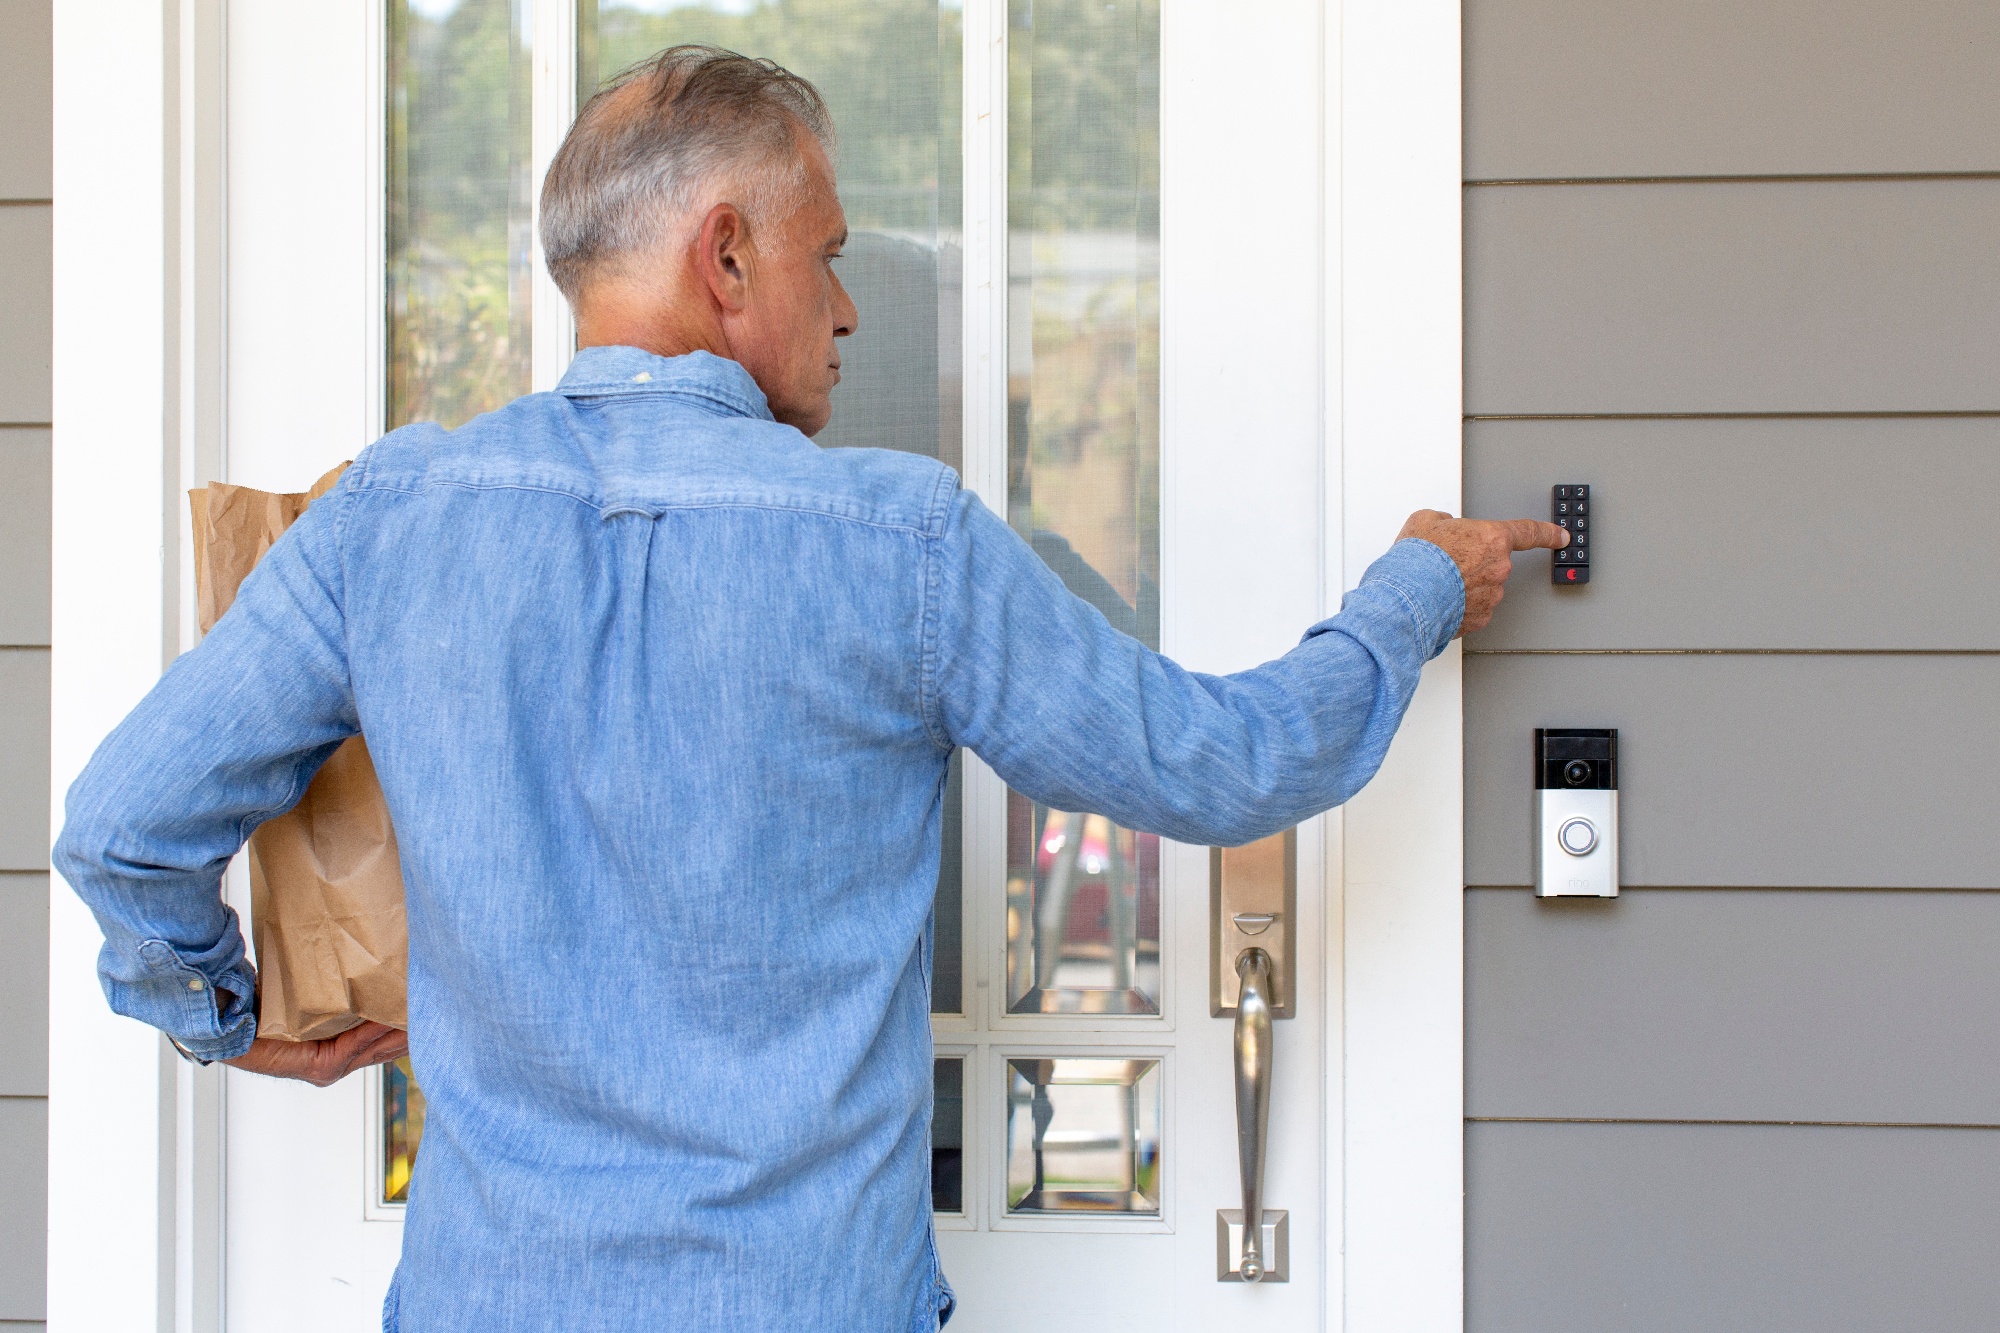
[[1738, 267], [25, 190]]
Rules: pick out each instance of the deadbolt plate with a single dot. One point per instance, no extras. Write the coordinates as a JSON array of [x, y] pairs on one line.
[[1253, 903]]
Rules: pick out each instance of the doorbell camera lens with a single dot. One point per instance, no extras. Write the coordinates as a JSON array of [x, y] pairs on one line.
[[1576, 772]]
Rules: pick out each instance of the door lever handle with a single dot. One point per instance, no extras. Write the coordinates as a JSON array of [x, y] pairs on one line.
[[1253, 1100]]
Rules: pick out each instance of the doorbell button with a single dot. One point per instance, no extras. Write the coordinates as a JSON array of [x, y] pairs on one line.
[[1577, 836]]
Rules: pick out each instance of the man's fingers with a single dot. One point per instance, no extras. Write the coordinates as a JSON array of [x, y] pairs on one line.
[[367, 1034], [393, 1045], [369, 1044], [382, 1047], [1527, 534]]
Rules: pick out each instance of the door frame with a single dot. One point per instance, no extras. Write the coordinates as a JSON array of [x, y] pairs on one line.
[[141, 161]]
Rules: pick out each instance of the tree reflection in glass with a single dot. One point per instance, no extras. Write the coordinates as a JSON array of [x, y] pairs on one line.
[[458, 165]]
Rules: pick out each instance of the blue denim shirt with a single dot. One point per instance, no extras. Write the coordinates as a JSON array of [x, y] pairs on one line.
[[661, 696]]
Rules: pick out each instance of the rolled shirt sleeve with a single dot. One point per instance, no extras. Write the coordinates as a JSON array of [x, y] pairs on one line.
[[1079, 716], [228, 738]]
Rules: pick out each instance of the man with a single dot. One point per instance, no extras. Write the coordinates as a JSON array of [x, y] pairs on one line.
[[661, 697]]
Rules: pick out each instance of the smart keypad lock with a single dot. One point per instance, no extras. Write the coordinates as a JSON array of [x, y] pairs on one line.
[[1576, 812], [1569, 508]]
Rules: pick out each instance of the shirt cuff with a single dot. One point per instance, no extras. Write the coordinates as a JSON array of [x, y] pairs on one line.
[[179, 996], [1428, 582]]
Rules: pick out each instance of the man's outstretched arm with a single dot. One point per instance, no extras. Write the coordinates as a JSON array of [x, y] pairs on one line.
[[1079, 716]]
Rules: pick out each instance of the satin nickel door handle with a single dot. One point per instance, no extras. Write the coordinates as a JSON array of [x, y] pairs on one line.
[[1252, 978], [1253, 1100]]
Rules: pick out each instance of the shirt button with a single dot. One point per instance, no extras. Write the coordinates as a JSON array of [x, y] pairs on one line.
[[195, 984]]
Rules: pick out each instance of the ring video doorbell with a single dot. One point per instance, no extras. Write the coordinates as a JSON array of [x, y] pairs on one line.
[[1576, 812]]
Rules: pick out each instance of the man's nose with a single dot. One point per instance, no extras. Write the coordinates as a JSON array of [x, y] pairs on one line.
[[846, 318]]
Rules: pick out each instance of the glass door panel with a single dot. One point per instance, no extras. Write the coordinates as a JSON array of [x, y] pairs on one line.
[[1083, 453], [1083, 914], [948, 1134], [459, 208], [1083, 1136]]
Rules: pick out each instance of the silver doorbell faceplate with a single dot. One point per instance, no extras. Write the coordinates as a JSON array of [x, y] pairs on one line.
[[1576, 813]]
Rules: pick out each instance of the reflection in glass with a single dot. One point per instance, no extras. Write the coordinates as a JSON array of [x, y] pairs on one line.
[[1083, 914], [890, 73], [948, 907], [948, 1134], [402, 1128], [1083, 1136], [1083, 452], [458, 208]]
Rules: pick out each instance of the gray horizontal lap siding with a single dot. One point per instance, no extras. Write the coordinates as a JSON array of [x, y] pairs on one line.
[[24, 1134], [1754, 296], [27, 92], [1719, 1004], [1622, 88], [1731, 1229], [26, 308], [1851, 533], [1786, 394], [1752, 770], [27, 304], [25, 475], [24, 986], [24, 759]]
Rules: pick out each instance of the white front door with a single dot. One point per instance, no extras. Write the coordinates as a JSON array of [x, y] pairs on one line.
[[1097, 253]]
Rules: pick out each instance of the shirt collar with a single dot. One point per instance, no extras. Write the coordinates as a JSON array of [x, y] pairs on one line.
[[597, 371]]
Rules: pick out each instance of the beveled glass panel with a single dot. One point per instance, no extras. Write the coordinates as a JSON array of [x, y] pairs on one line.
[[402, 1129], [1083, 452], [1083, 1136], [1083, 913], [890, 71], [459, 260], [948, 1134]]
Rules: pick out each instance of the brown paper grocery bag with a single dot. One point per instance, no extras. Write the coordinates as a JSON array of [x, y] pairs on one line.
[[326, 883]]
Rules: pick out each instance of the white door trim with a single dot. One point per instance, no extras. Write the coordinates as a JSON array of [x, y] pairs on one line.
[[118, 1196], [127, 363], [1395, 355]]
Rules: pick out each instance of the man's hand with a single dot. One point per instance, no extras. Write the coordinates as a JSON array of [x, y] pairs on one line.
[[1483, 550], [324, 1062]]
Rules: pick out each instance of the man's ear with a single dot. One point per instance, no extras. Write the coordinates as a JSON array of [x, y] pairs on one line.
[[723, 256]]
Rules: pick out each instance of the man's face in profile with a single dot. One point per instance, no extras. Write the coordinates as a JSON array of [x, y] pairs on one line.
[[797, 306]]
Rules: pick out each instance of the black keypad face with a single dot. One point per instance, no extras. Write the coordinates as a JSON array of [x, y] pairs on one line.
[[1570, 508]]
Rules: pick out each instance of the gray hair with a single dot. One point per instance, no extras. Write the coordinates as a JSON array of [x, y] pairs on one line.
[[646, 151]]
